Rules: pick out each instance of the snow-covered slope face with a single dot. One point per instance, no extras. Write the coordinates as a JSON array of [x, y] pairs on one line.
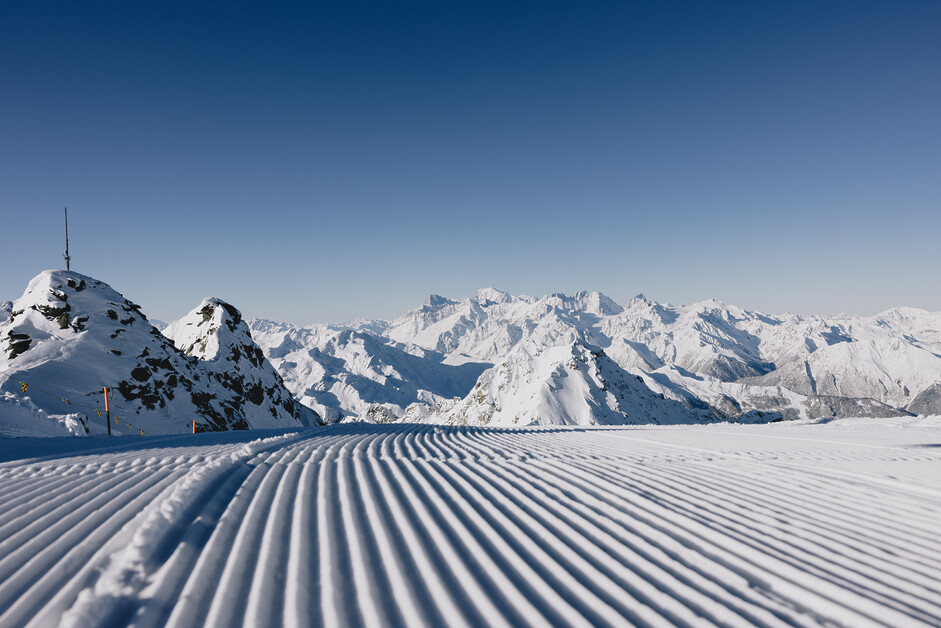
[[920, 326], [575, 384], [709, 337], [487, 326], [340, 372], [6, 308], [858, 358], [215, 334], [19, 417], [70, 335]]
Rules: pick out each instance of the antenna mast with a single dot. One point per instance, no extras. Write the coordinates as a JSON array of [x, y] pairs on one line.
[[66, 256]]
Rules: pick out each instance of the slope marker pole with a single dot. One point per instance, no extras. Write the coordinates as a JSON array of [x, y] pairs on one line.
[[107, 412]]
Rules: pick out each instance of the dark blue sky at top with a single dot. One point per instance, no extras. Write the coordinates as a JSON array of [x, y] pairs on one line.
[[321, 161]]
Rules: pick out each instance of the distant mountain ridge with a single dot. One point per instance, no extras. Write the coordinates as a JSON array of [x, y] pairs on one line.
[[708, 356], [490, 359]]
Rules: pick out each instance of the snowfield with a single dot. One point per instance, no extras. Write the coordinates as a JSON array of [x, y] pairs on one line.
[[826, 523]]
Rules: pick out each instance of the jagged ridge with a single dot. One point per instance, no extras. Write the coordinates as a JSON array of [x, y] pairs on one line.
[[71, 335], [708, 356]]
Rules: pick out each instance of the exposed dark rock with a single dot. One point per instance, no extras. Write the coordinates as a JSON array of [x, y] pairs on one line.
[[18, 344], [255, 394], [824, 406], [927, 401], [146, 395]]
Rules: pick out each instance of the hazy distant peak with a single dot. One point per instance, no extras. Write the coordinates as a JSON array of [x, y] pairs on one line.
[[436, 300], [598, 303], [903, 312], [485, 296]]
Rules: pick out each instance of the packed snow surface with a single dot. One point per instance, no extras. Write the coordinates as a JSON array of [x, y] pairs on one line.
[[802, 523]]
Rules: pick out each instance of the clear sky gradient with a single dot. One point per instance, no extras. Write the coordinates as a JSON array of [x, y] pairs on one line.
[[315, 162]]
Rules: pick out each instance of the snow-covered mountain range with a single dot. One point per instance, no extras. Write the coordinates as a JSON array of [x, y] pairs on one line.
[[716, 361], [70, 335], [491, 359]]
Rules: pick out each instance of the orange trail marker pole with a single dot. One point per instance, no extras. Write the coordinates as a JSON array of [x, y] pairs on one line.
[[107, 412], [194, 426]]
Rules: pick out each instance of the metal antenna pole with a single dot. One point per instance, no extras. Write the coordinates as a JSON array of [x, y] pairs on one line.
[[68, 259]]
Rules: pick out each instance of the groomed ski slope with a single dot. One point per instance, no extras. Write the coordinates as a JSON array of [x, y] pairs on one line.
[[408, 525]]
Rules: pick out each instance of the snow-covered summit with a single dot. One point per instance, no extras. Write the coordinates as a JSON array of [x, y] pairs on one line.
[[571, 384], [491, 296], [215, 334], [213, 324], [436, 300]]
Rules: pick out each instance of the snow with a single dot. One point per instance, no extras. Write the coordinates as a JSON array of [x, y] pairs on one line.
[[216, 335], [21, 417], [508, 460], [575, 384], [705, 355], [805, 523], [709, 357], [490, 359], [342, 372]]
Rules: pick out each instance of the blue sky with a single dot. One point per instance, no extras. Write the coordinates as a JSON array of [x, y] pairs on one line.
[[322, 161]]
